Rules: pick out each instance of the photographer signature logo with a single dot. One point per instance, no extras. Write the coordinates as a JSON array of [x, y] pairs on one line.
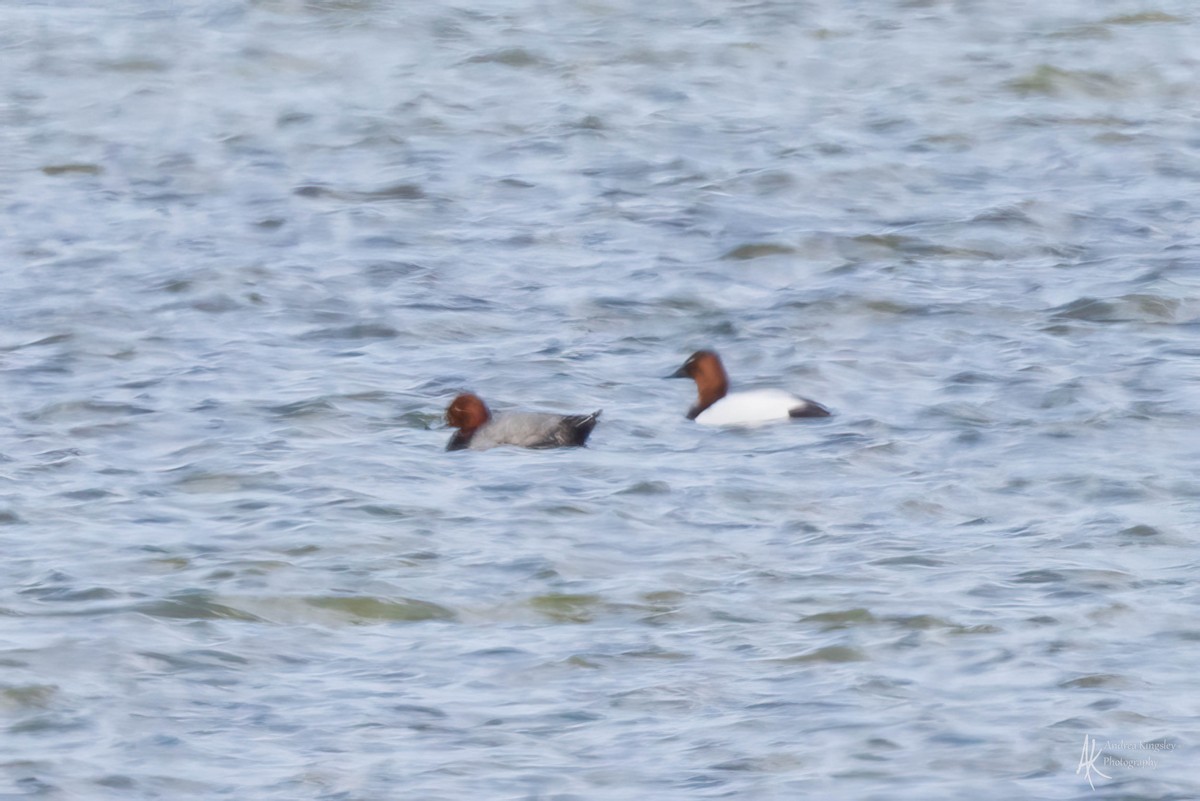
[[1087, 760], [1139, 755]]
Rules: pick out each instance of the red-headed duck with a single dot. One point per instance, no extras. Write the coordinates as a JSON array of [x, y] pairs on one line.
[[479, 429], [715, 407]]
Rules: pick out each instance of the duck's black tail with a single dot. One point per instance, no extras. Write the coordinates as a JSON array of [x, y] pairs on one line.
[[809, 409], [576, 428]]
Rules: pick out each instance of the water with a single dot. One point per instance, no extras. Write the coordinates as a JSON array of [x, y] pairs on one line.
[[253, 249]]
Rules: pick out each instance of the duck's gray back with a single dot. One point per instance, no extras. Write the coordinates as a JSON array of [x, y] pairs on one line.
[[534, 430]]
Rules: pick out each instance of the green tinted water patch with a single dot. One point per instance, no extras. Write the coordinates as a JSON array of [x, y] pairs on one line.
[[849, 618], [1140, 530], [1095, 681], [197, 606], [866, 245], [659, 608], [830, 653], [309, 407], [217, 483], [72, 169], [667, 599], [27, 696], [509, 57], [646, 488], [135, 65], [1053, 81], [566, 608], [930, 622], [842, 619], [757, 250], [1145, 17], [368, 609], [388, 511], [198, 660], [1128, 308]]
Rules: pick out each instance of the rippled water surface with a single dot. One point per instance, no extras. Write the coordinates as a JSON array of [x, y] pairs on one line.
[[252, 249]]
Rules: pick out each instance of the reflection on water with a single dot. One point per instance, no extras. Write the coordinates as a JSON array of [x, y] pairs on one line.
[[254, 249]]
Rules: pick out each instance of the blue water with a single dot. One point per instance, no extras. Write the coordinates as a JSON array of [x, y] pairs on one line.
[[254, 249]]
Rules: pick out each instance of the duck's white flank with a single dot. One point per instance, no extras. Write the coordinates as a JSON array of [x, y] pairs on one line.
[[756, 406]]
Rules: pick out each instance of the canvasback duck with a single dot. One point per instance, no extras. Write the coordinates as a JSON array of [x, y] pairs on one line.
[[715, 407], [479, 429]]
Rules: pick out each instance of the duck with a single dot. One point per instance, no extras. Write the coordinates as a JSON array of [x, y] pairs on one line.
[[479, 429], [715, 406]]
